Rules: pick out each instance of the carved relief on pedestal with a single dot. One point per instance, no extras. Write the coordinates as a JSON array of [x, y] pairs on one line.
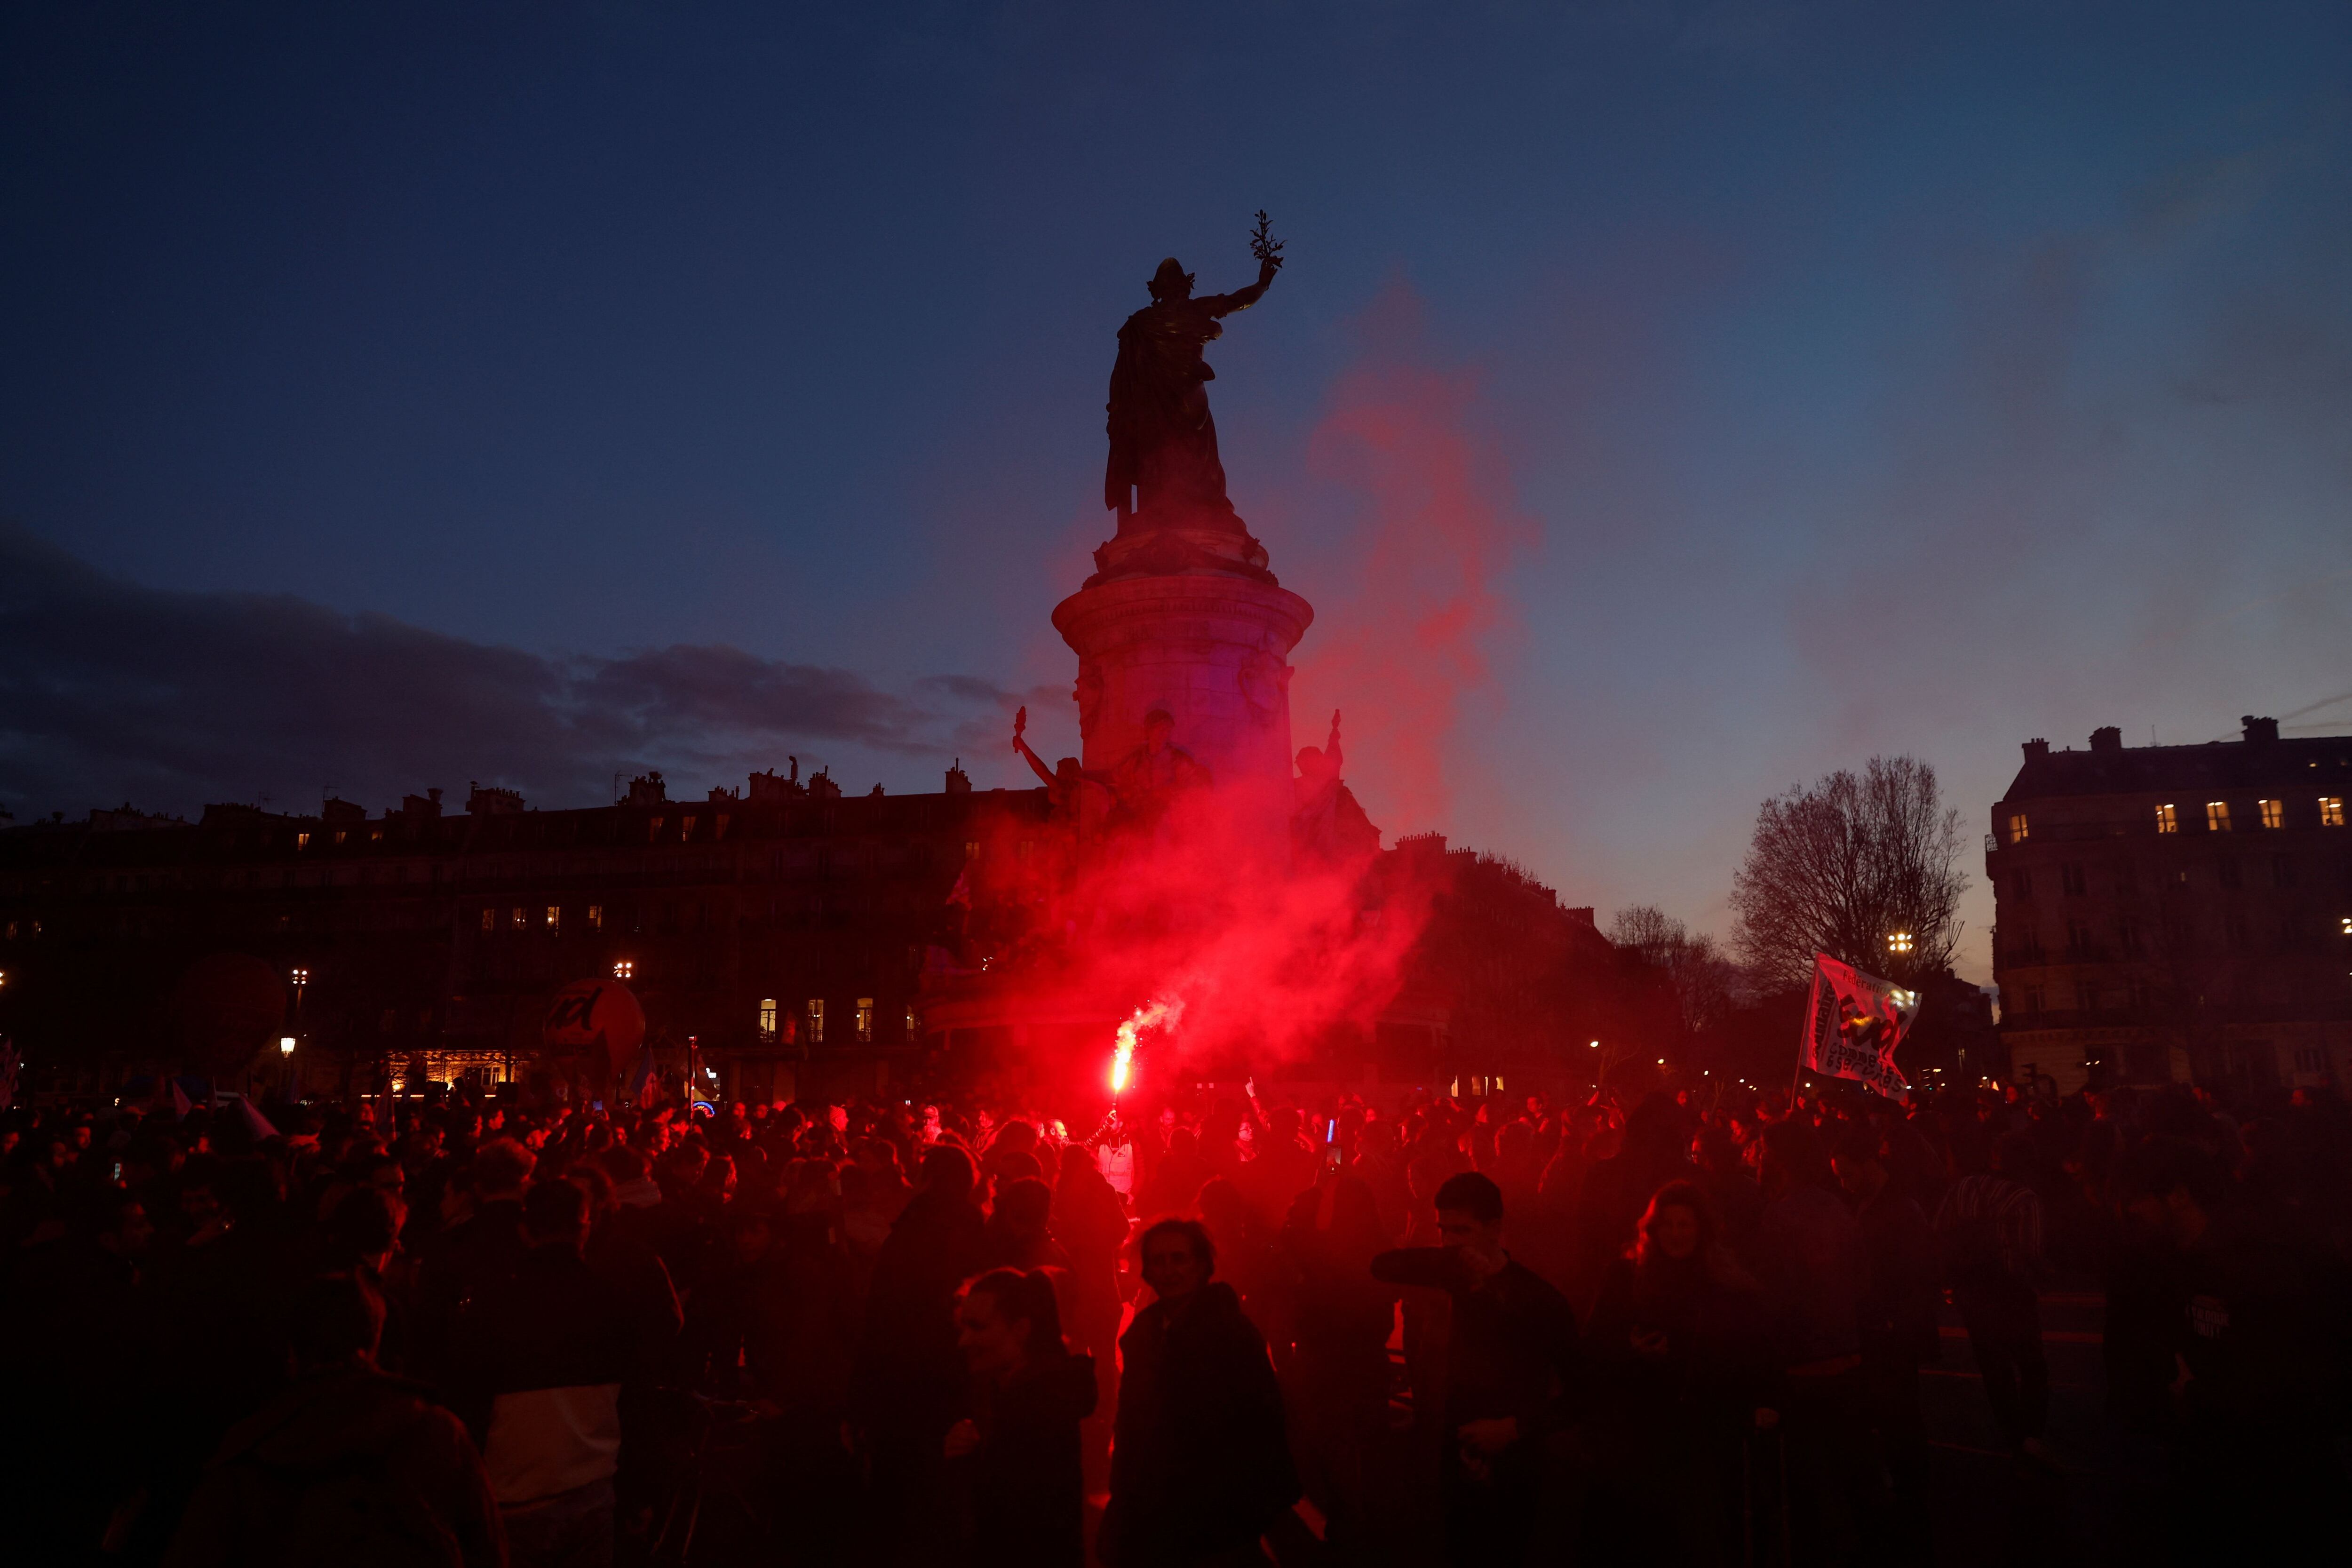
[[1264, 682]]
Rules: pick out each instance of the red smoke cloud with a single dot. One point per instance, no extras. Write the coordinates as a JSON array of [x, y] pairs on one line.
[[1435, 530]]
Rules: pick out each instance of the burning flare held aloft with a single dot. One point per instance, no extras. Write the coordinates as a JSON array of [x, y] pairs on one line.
[[1151, 1016]]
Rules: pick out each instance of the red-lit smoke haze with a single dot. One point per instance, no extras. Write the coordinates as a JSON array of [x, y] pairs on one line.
[[1435, 528]]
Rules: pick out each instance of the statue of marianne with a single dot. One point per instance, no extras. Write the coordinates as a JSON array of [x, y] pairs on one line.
[[1163, 465]]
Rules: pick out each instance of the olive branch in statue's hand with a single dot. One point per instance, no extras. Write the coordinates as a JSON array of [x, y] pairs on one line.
[[1262, 244]]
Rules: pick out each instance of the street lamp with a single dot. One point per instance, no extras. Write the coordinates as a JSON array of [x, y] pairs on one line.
[[285, 1044], [1898, 942], [302, 977]]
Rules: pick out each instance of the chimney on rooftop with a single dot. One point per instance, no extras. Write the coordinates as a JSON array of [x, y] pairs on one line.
[[2035, 749], [2108, 738], [2259, 730]]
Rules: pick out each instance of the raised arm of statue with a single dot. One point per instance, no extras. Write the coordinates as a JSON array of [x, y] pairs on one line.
[[1037, 763], [1331, 746], [1268, 251], [1020, 724], [1243, 299]]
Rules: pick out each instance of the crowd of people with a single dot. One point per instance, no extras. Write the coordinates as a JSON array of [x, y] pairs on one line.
[[1685, 1330]]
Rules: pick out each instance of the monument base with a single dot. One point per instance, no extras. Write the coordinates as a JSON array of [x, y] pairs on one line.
[[1211, 648]]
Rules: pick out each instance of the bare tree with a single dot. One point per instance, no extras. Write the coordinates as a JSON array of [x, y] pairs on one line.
[[1864, 869], [1706, 984]]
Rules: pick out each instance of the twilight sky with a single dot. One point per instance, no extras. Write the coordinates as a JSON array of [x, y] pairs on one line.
[[401, 395]]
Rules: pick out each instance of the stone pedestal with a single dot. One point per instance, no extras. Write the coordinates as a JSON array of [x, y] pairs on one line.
[[1211, 647]]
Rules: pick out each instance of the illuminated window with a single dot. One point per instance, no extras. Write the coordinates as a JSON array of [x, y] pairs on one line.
[[971, 849], [490, 918], [865, 1020], [2017, 828], [595, 917], [2166, 821], [653, 829], [338, 836], [301, 841], [816, 1020], [519, 919], [684, 828], [625, 969], [719, 826], [767, 1018], [555, 917], [914, 1025], [2331, 811], [2217, 816], [2274, 814]]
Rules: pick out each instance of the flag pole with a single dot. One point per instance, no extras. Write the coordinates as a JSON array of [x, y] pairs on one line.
[[1805, 1033]]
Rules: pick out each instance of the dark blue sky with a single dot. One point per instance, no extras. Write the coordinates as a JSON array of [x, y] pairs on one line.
[[399, 395]]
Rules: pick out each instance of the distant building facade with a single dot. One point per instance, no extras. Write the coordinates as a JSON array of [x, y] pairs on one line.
[[783, 929], [803, 944], [2177, 912]]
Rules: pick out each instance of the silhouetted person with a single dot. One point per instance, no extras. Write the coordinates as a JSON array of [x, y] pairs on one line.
[[348, 1466], [2254, 1474], [1020, 1228], [1336, 1382], [1898, 1325], [1511, 1368], [1810, 1261], [1617, 1190], [1680, 1364], [1019, 1448], [547, 1351], [76, 1323], [908, 1387], [1177, 1176], [1202, 1467], [1990, 1228], [474, 1254]]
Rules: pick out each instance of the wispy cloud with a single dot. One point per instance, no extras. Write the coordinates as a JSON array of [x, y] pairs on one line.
[[113, 690]]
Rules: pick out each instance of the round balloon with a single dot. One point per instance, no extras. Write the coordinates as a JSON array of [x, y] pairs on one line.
[[595, 1012]]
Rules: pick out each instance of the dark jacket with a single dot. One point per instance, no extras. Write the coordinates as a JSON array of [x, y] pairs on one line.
[[541, 1357], [1512, 1348], [1718, 1364], [1202, 1463], [458, 1266], [1898, 1309], [1026, 1485], [908, 1370], [345, 1467], [1809, 1258]]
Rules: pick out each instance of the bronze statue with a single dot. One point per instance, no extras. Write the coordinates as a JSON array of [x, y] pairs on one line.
[[1064, 781], [1164, 470], [1328, 826], [1143, 784]]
